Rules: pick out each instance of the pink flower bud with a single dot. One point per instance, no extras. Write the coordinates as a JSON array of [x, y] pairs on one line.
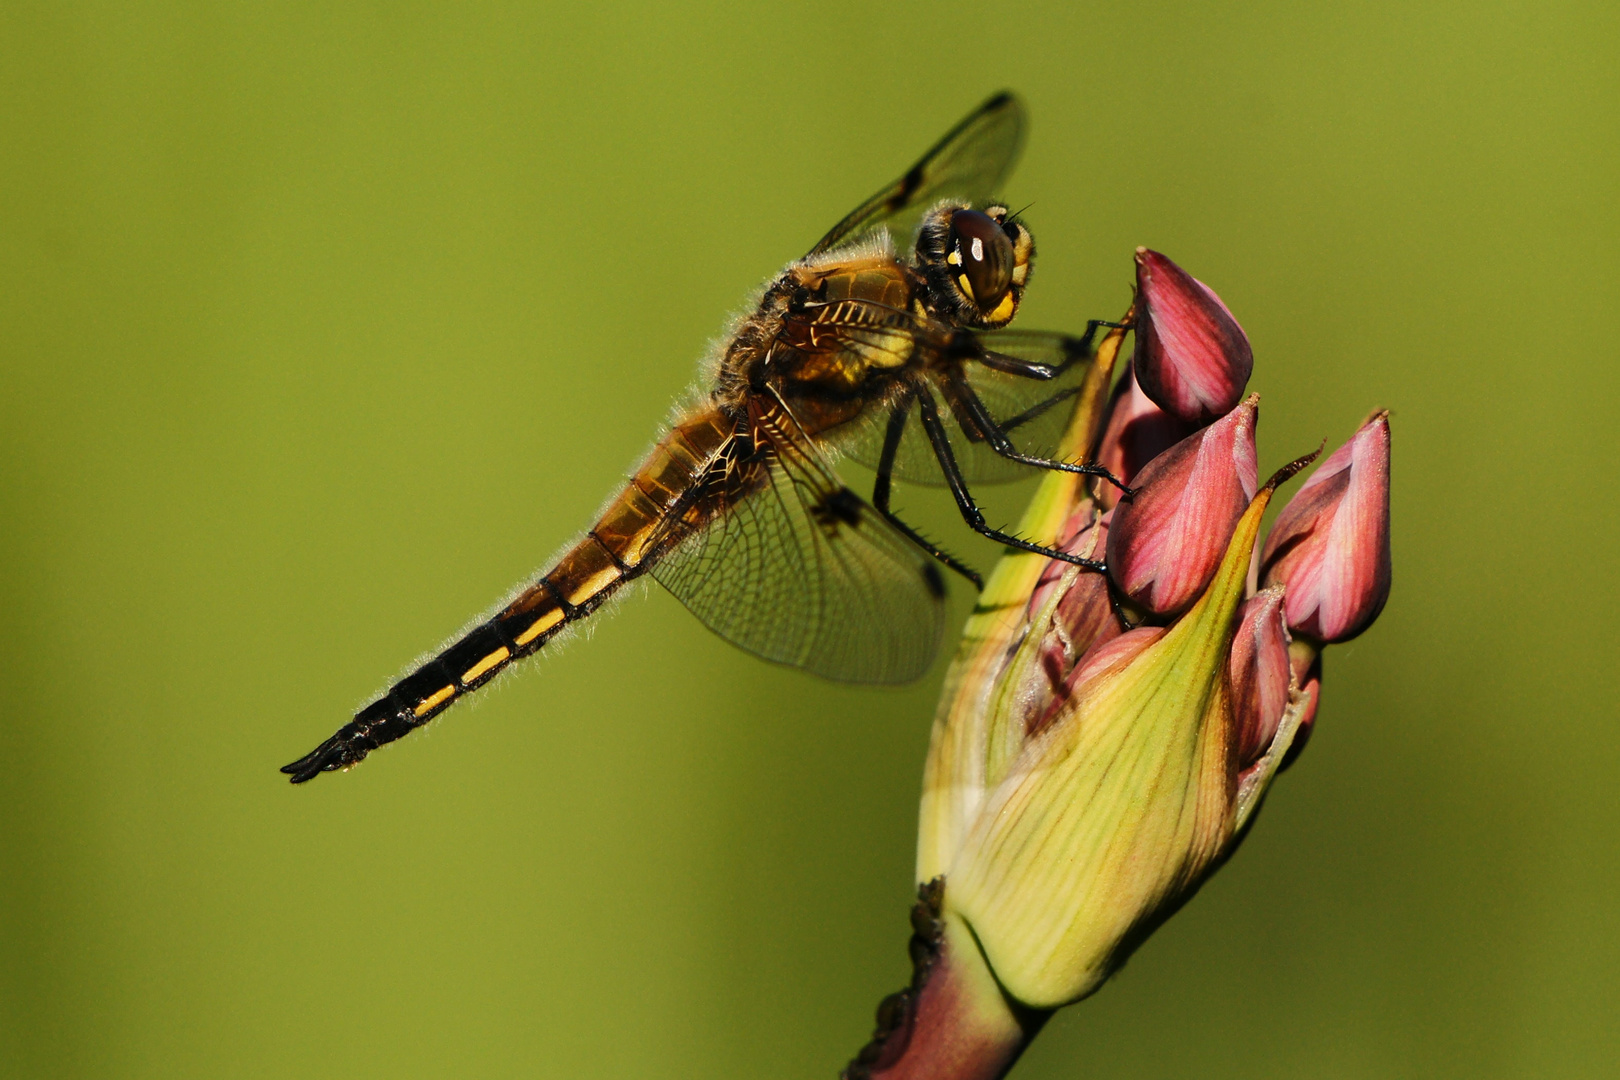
[[1084, 615], [1164, 545], [1137, 432], [1259, 672], [1079, 536], [1085, 612], [1192, 357], [1330, 544], [1114, 653], [1109, 652]]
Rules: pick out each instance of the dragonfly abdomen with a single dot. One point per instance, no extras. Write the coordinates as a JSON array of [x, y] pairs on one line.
[[637, 526]]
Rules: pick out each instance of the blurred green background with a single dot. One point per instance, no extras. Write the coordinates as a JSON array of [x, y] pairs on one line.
[[322, 326]]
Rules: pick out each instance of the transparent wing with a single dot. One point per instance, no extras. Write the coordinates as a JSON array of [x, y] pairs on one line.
[[969, 163], [800, 570], [1027, 382]]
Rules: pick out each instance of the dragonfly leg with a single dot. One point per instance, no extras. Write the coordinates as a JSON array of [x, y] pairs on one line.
[[1080, 349], [971, 513], [1076, 349], [880, 496], [996, 438]]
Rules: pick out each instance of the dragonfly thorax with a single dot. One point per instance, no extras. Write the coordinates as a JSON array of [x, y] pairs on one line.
[[850, 324]]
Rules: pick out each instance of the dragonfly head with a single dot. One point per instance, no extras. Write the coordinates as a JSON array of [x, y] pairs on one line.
[[977, 262]]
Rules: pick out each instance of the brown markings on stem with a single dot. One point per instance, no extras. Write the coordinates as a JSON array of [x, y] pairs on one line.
[[897, 1013]]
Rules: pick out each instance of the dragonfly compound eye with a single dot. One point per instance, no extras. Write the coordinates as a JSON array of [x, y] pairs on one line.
[[981, 256]]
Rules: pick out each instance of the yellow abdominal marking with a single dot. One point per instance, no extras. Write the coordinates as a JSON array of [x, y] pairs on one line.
[[494, 659], [435, 701], [594, 584], [539, 626]]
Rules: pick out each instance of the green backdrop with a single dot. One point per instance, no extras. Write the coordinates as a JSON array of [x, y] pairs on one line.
[[319, 329]]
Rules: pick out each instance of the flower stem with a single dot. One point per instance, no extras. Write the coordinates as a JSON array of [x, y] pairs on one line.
[[954, 1022]]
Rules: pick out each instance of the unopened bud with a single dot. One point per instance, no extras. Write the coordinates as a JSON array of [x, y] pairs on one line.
[[1106, 818], [1137, 432], [1084, 778], [1086, 613], [1164, 545], [1082, 617], [1110, 655], [1330, 544], [1192, 358], [1259, 672], [1084, 534]]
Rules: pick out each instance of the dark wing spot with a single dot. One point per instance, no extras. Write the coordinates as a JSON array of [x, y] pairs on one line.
[[909, 183], [934, 580], [844, 505]]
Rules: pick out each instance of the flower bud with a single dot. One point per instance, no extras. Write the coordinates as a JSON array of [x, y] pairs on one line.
[[1164, 545], [1083, 534], [1110, 655], [1069, 612], [1110, 815], [1192, 358], [1086, 613], [1258, 669], [1083, 614], [1137, 431], [1083, 778], [1330, 544]]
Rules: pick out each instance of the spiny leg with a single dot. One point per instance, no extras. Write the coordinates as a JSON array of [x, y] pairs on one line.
[[996, 438], [1083, 350], [971, 513], [880, 495]]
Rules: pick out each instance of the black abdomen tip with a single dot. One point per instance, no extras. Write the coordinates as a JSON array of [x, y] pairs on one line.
[[383, 721], [335, 753]]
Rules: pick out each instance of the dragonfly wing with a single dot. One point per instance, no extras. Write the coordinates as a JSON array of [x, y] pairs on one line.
[[969, 163], [800, 570]]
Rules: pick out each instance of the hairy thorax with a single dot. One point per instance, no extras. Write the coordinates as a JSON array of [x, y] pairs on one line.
[[782, 349]]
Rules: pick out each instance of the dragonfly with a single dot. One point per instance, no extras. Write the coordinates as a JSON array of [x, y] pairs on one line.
[[897, 357]]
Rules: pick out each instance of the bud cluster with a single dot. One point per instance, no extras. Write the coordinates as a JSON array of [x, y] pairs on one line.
[[1181, 432], [1105, 739]]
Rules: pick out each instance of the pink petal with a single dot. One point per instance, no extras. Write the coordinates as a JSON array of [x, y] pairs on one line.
[[1164, 545], [1330, 544], [1192, 358]]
